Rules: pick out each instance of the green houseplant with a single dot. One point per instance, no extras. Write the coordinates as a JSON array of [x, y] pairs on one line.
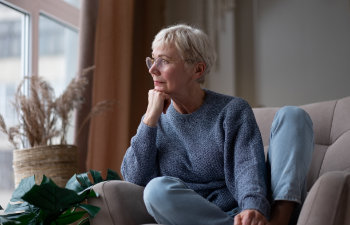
[[33, 204]]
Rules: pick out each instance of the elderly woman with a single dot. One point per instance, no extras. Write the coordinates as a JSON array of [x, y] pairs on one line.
[[200, 155]]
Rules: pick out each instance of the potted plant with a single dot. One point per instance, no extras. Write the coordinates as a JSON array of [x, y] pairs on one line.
[[33, 204], [40, 137]]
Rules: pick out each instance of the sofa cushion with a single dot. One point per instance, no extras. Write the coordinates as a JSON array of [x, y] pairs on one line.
[[328, 201], [331, 120], [332, 152]]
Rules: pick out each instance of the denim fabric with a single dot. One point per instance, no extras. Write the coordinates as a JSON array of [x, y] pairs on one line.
[[289, 155], [170, 201]]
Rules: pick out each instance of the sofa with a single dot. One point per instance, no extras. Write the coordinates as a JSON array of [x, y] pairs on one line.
[[328, 182]]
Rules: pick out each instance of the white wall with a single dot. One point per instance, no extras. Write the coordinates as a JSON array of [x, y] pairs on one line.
[[302, 51]]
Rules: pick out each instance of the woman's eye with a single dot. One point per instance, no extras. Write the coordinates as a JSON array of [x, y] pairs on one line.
[[164, 61]]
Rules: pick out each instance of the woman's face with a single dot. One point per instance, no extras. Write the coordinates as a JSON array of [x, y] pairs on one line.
[[169, 72]]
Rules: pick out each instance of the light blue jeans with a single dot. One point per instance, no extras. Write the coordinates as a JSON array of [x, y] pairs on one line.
[[169, 200]]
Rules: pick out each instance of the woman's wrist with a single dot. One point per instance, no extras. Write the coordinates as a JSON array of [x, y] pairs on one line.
[[149, 121]]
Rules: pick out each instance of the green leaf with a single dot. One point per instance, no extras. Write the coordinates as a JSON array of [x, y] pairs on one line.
[[25, 185], [80, 182], [69, 217], [112, 175], [91, 209], [88, 193], [85, 221], [17, 208], [46, 180], [6, 221], [73, 184], [51, 198], [16, 202], [25, 218], [84, 180], [93, 194], [96, 176]]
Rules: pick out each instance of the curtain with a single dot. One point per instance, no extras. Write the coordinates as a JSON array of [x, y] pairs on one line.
[[122, 39], [88, 17]]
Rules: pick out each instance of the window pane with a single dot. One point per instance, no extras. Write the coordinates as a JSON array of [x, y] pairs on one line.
[[75, 3], [58, 56], [11, 66]]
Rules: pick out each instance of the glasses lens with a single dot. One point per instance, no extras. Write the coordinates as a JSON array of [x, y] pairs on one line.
[[149, 62]]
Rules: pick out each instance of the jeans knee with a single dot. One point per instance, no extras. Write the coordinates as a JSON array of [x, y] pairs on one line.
[[158, 190], [153, 191], [294, 115]]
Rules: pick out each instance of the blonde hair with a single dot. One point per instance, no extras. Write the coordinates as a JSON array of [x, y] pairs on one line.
[[192, 43]]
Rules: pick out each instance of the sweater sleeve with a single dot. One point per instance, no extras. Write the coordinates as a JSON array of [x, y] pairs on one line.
[[245, 169], [139, 165]]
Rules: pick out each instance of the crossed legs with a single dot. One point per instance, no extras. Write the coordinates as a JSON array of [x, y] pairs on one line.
[[169, 201]]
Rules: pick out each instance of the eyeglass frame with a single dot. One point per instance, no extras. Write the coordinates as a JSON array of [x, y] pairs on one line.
[[160, 62]]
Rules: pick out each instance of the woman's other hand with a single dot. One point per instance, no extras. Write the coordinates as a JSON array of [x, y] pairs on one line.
[[158, 102], [250, 217]]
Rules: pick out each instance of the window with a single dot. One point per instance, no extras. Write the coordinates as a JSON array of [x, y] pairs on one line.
[[37, 37], [58, 54], [12, 33]]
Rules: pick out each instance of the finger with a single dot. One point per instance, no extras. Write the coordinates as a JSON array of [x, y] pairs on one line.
[[255, 221], [238, 220], [247, 219]]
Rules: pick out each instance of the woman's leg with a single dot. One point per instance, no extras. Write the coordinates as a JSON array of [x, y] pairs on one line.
[[289, 158], [120, 202], [170, 202]]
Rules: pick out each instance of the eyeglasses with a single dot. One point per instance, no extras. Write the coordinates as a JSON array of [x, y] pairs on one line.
[[159, 62]]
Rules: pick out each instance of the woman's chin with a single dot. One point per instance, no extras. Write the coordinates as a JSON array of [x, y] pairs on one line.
[[158, 88]]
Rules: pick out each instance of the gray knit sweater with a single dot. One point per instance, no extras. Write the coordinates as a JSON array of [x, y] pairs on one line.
[[216, 150]]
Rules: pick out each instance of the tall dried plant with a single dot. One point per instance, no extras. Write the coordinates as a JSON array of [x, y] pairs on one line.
[[42, 117]]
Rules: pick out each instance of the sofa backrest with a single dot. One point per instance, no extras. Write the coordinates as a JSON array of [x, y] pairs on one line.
[[331, 121]]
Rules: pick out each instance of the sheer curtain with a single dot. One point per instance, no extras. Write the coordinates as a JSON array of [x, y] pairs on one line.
[[116, 37]]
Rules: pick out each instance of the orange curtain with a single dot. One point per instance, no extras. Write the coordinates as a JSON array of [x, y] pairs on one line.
[[124, 32]]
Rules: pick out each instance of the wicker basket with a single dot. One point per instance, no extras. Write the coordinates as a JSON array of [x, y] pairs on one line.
[[58, 162]]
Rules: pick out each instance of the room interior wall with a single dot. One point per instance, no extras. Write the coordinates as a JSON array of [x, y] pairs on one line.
[[274, 52], [300, 51]]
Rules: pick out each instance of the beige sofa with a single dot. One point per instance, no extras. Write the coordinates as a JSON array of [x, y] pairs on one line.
[[328, 201]]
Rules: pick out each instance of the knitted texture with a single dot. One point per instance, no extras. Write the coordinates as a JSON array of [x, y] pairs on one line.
[[217, 151]]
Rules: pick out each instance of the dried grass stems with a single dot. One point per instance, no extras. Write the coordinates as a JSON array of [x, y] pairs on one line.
[[42, 117]]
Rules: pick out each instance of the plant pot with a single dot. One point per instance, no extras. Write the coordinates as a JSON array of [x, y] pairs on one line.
[[58, 162]]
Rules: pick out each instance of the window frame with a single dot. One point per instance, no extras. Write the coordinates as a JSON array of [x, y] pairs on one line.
[[58, 10]]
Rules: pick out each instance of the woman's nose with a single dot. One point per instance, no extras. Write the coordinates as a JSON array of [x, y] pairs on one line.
[[154, 70]]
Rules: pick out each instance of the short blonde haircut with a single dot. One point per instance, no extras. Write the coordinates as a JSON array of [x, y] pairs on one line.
[[192, 43]]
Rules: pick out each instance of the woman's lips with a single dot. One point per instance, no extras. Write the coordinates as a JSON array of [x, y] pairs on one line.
[[157, 83]]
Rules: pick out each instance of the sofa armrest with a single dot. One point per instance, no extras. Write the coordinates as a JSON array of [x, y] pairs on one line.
[[120, 202], [328, 202]]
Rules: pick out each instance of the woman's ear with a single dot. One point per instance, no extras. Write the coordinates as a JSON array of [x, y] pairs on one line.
[[199, 69]]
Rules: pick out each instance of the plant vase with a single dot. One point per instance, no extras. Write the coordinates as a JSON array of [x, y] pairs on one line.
[[58, 162]]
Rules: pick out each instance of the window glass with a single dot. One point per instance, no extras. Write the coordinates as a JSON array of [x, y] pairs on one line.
[[12, 36], [58, 55], [75, 3]]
